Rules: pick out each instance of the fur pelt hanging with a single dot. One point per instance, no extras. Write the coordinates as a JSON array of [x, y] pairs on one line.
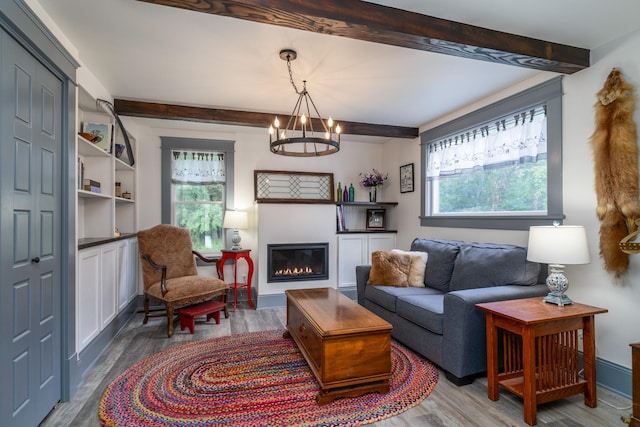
[[615, 153]]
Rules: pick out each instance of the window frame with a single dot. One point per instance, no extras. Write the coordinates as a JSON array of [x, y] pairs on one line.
[[550, 93], [168, 144]]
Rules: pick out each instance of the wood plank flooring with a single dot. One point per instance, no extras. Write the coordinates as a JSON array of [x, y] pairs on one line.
[[446, 406]]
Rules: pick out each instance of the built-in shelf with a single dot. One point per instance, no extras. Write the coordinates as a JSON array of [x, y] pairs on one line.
[[368, 204], [355, 217]]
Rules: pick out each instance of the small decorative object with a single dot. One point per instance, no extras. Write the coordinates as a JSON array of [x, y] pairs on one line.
[[345, 194], [89, 136], [557, 245], [237, 220], [371, 181], [126, 195], [118, 189], [119, 150], [101, 132], [352, 193], [339, 193], [376, 219], [116, 233], [406, 178], [294, 187]]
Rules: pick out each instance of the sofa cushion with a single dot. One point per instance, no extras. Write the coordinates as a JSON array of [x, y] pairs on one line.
[[389, 269], [417, 267], [386, 296], [442, 254], [426, 311], [480, 265]]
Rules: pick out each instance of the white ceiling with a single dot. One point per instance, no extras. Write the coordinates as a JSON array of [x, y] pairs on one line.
[[156, 53]]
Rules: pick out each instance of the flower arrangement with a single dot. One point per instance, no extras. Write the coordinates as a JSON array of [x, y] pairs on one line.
[[373, 179]]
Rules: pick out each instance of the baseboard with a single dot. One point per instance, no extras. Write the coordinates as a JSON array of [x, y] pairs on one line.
[[614, 377]]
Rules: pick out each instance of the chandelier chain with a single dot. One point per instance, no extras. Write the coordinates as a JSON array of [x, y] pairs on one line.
[[291, 78]]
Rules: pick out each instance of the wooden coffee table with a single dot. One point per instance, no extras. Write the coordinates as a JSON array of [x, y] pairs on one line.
[[347, 347]]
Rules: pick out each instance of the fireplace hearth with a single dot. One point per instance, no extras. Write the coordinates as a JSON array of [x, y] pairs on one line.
[[297, 262]]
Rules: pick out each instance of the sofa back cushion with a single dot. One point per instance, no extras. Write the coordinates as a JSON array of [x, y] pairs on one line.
[[480, 265], [442, 255]]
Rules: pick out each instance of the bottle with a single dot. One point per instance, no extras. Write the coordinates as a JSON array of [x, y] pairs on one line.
[[345, 194], [339, 193], [352, 193]]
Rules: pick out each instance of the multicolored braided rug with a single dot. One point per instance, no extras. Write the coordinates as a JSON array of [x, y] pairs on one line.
[[252, 379]]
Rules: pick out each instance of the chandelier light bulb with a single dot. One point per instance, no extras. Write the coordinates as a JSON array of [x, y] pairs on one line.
[[338, 129], [330, 122], [303, 119], [270, 130], [276, 122]]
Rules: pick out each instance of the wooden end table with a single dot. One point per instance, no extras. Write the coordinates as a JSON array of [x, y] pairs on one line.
[[540, 351], [236, 255], [347, 347]]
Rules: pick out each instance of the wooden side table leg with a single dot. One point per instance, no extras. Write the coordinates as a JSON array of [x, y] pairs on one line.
[[492, 358], [589, 361], [529, 376], [249, 276]]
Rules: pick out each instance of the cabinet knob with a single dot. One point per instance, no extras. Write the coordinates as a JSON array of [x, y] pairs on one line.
[[35, 260]]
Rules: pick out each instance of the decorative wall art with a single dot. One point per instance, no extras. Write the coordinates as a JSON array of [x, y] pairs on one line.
[[615, 155], [293, 187], [406, 178]]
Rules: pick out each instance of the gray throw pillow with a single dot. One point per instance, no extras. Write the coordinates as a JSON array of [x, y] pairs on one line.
[[442, 254]]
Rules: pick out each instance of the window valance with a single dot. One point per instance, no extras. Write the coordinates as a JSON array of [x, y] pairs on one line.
[[197, 167]]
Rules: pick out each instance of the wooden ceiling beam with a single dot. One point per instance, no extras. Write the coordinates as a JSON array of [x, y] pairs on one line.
[[153, 110], [382, 24]]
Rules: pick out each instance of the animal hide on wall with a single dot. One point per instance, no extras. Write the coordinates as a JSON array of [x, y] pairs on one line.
[[615, 154]]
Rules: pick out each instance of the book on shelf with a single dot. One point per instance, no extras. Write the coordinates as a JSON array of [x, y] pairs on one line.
[[340, 218], [92, 189], [91, 183]]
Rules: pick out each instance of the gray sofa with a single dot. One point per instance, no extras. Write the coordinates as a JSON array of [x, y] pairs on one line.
[[440, 321]]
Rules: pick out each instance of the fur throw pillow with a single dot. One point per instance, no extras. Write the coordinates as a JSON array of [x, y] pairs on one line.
[[389, 269], [417, 267]]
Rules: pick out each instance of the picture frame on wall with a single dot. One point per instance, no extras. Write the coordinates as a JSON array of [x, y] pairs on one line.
[[376, 219], [103, 133], [406, 178]]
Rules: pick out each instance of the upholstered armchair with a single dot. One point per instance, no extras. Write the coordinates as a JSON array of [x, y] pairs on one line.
[[170, 275]]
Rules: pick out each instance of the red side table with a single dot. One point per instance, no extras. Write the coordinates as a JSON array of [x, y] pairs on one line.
[[235, 256]]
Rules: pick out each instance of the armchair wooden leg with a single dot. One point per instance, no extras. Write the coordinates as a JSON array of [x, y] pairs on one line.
[[146, 310], [170, 321]]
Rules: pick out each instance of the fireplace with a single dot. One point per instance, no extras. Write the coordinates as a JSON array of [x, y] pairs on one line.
[[297, 261]]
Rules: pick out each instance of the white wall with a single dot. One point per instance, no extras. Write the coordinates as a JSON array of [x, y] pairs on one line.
[[589, 284]]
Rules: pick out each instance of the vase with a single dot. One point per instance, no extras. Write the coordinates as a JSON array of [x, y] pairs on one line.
[[372, 194]]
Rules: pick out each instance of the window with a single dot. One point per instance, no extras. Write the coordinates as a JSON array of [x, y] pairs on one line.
[[196, 188], [499, 167]]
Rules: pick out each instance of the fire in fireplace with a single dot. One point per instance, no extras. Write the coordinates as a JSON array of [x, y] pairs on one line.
[[297, 261]]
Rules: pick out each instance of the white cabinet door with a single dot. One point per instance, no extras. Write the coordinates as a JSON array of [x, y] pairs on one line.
[[352, 251], [380, 242], [122, 273], [108, 284], [133, 269], [88, 297]]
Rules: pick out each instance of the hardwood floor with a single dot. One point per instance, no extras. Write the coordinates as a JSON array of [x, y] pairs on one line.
[[447, 405]]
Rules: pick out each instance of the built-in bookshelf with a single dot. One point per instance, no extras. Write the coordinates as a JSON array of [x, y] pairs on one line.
[[102, 210], [352, 217]]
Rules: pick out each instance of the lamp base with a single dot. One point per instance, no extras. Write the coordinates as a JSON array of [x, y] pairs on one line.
[[558, 299], [557, 283], [235, 239]]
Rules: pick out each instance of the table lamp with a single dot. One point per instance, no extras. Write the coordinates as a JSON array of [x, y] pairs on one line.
[[558, 245], [236, 220]]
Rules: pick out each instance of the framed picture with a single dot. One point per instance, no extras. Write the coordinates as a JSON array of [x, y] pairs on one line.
[[406, 178], [103, 131], [376, 219]]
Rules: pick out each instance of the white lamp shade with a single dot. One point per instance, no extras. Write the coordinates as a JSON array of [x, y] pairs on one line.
[[558, 244], [235, 219]]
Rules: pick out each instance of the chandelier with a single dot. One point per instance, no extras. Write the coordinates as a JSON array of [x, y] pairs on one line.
[[304, 135]]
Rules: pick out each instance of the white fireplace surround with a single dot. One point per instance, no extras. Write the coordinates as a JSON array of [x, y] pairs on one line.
[[293, 223]]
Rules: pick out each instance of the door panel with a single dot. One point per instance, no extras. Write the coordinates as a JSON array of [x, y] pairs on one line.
[[30, 192]]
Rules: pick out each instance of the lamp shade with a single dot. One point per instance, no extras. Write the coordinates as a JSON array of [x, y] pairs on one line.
[[558, 244], [235, 219]]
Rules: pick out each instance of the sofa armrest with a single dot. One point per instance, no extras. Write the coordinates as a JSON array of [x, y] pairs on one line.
[[464, 328], [362, 276]]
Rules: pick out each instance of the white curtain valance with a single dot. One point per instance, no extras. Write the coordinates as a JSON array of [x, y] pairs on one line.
[[522, 137], [197, 167]]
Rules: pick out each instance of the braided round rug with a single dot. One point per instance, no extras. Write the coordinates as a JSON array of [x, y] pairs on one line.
[[251, 379]]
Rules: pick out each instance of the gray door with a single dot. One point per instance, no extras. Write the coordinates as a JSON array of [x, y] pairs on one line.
[[30, 206]]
